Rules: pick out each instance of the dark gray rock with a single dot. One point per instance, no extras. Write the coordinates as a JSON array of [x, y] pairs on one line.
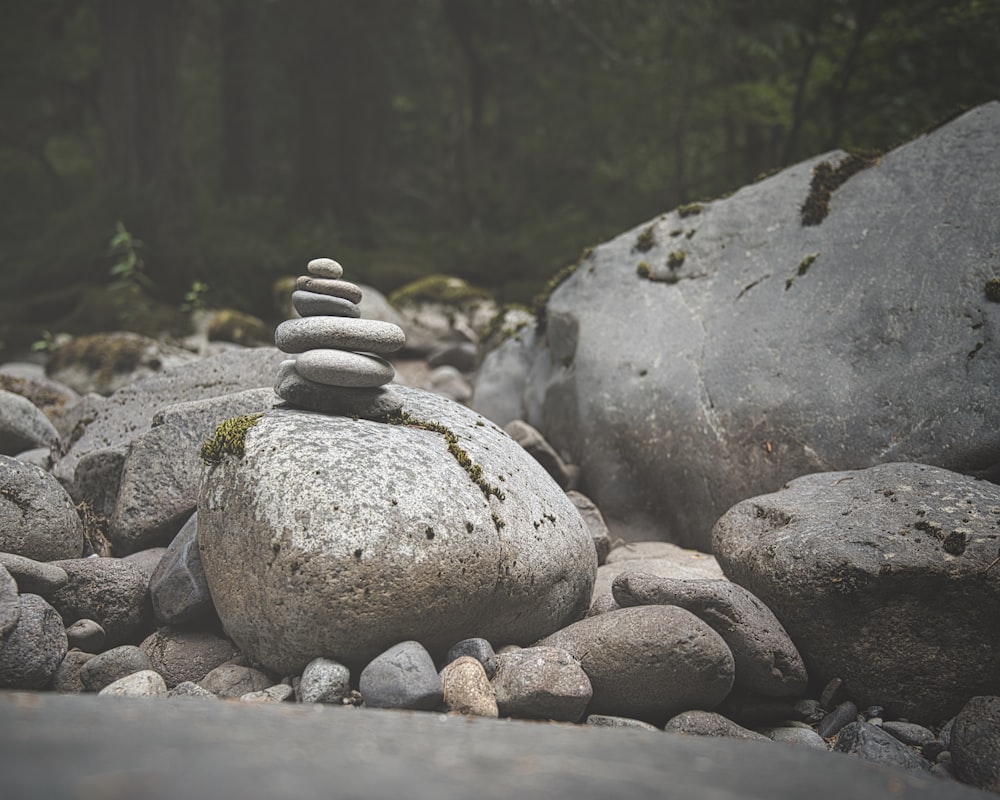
[[35, 577], [766, 659], [107, 667], [874, 744], [33, 650], [404, 676], [52, 398], [96, 478], [181, 656], [109, 591], [709, 723], [343, 401], [48, 748], [532, 440], [10, 603], [896, 560], [113, 422], [541, 683], [795, 736], [66, 679], [37, 517], [975, 743], [322, 507], [178, 587], [86, 635], [833, 694], [233, 680], [834, 722], [649, 662], [23, 426], [477, 648], [660, 396], [909, 732], [595, 523], [608, 721], [324, 681]]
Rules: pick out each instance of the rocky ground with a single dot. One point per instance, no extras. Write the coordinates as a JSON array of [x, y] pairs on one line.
[[281, 578]]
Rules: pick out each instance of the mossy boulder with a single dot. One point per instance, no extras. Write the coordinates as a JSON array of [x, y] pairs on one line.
[[337, 537], [438, 309]]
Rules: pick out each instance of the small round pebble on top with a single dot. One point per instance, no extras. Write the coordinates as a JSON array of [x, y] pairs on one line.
[[325, 268]]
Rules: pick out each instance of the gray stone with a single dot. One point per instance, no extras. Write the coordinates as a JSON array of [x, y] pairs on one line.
[[532, 440], [52, 398], [334, 288], [891, 558], [23, 425], [35, 577], [50, 750], [479, 649], [97, 478], [649, 662], [40, 457], [541, 683], [325, 268], [439, 309], [909, 732], [466, 689], [342, 333], [975, 743], [670, 561], [608, 721], [460, 355], [373, 403], [595, 523], [321, 507], [37, 517], [503, 391], [313, 304], [158, 486], [602, 605], [232, 680], [344, 368], [181, 656], [177, 587], [191, 689], [874, 744], [709, 723], [837, 719], [86, 635], [449, 382], [107, 667], [403, 676], [856, 356], [66, 679], [324, 681], [147, 560], [10, 603], [279, 693], [33, 650], [109, 591], [144, 683], [795, 736], [766, 659], [113, 422]]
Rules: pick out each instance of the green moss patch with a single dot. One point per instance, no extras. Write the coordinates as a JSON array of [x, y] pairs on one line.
[[445, 289], [992, 290], [826, 179], [229, 439], [645, 241], [689, 209], [676, 259]]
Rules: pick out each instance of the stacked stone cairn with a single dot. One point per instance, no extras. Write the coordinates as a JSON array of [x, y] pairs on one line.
[[338, 365]]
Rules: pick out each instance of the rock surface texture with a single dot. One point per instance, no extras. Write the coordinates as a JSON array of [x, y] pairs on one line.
[[732, 357], [886, 577], [453, 532]]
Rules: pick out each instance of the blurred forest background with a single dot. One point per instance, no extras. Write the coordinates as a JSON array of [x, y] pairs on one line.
[[224, 143]]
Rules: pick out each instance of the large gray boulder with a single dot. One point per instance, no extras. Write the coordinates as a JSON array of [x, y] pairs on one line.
[[886, 577], [337, 537], [37, 517], [716, 352]]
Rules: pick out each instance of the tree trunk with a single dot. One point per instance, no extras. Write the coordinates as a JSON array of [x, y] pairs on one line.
[[142, 121]]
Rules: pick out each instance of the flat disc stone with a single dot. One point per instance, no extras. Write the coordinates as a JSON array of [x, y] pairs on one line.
[[338, 333], [314, 304], [346, 289], [325, 268], [344, 368], [374, 404]]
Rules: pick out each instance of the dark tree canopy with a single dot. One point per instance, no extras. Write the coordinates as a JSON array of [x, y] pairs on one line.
[[490, 139]]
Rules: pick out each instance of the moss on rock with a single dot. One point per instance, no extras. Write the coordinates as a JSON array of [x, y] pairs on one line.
[[229, 439], [437, 288]]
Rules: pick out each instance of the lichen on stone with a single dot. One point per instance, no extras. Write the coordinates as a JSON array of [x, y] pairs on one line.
[[676, 259], [689, 209], [992, 289], [646, 240], [826, 179], [644, 270], [229, 439]]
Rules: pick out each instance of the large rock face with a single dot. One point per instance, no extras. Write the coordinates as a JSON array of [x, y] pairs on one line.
[[886, 577], [759, 348], [338, 537]]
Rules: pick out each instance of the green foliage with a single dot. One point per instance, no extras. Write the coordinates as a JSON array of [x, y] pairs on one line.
[[128, 269], [195, 297]]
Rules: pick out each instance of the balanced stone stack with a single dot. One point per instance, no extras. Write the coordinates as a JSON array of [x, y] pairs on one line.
[[338, 366]]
